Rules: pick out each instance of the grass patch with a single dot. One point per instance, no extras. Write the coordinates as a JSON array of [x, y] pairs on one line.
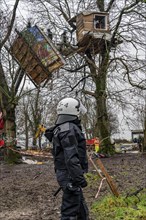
[[91, 178], [113, 208]]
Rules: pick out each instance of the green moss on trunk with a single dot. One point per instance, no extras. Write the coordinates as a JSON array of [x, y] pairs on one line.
[[11, 156]]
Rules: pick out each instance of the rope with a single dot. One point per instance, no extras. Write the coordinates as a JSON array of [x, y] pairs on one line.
[[97, 194]]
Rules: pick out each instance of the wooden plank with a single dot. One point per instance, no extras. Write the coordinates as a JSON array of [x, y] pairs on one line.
[[33, 73], [22, 53], [80, 28], [31, 65], [34, 54], [108, 178], [88, 18], [80, 23], [12, 54], [26, 56], [79, 36], [80, 31], [27, 60], [37, 58], [38, 75], [88, 26], [79, 18], [18, 43], [94, 165], [55, 66]]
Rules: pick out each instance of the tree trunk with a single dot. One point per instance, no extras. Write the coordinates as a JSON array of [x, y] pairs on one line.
[[40, 142], [26, 131], [144, 143], [102, 125], [101, 99], [11, 154]]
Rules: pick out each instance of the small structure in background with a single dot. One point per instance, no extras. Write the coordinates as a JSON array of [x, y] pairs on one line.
[[92, 30], [136, 134], [36, 54], [138, 138]]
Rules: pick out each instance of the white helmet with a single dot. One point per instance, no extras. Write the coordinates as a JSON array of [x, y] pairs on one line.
[[70, 106]]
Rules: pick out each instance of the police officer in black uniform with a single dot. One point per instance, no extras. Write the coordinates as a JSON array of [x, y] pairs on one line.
[[70, 158]]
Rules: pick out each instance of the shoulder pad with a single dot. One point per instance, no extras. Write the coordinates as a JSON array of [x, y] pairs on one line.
[[64, 127]]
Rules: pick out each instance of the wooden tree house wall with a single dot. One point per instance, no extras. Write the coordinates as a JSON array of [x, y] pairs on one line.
[[92, 30], [36, 55]]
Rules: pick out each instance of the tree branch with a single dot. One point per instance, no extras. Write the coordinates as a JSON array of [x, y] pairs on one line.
[[123, 11], [89, 93], [74, 70], [128, 76], [85, 77], [110, 5], [100, 4], [11, 25]]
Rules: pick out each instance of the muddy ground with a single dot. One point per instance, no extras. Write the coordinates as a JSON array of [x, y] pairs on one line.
[[26, 190]]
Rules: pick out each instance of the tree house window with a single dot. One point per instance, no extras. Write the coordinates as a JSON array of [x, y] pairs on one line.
[[100, 22]]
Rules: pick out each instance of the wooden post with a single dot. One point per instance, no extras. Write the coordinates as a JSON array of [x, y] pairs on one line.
[[103, 174], [108, 178], [99, 174]]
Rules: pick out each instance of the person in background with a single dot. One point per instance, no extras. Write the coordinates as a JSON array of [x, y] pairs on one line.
[[139, 143], [96, 145], [70, 158]]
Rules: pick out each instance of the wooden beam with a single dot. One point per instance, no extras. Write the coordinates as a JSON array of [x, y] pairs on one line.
[[108, 178]]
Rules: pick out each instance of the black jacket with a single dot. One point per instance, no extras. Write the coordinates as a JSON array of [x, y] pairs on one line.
[[69, 149]]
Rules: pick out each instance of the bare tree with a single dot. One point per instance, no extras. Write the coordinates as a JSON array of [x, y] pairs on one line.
[[118, 61], [36, 108], [10, 79], [120, 57]]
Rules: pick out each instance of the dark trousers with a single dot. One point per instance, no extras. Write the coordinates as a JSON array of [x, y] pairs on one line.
[[73, 203]]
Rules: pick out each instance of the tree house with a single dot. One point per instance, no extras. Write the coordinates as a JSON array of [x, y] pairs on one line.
[[92, 30], [36, 54]]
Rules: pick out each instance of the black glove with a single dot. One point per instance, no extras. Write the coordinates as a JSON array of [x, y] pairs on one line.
[[49, 133], [83, 183], [80, 181], [72, 187]]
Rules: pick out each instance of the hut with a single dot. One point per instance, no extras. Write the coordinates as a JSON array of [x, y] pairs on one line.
[[92, 30], [36, 54]]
